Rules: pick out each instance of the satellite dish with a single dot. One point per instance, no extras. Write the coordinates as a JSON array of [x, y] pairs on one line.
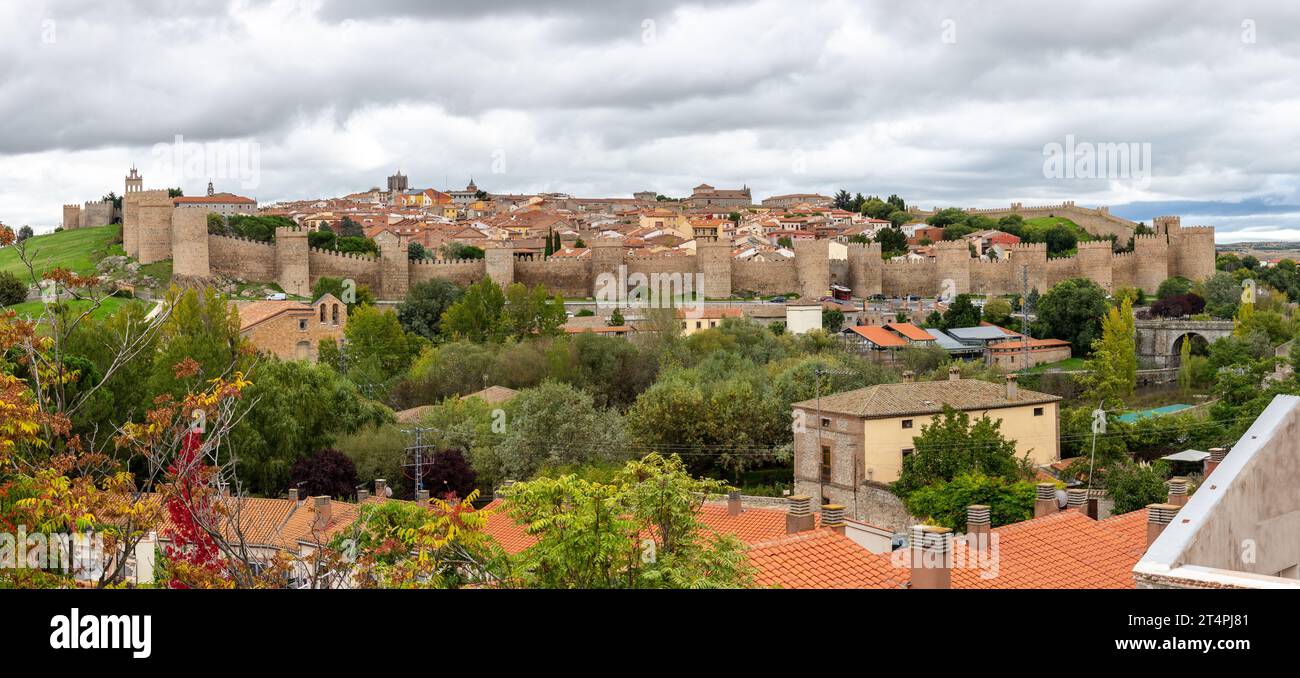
[[1060, 499]]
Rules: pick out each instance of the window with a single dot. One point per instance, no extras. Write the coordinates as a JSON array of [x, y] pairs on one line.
[[336, 313], [826, 464], [907, 452], [302, 324], [322, 314], [1038, 411], [907, 423], [826, 423]]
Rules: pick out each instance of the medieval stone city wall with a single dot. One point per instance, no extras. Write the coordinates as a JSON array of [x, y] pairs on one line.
[[1098, 221], [154, 229]]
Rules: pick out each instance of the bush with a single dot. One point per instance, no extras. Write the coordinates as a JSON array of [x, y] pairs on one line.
[[12, 290], [1178, 306], [328, 472]]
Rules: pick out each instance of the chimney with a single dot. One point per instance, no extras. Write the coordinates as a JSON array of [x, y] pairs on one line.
[[931, 557], [1178, 491], [293, 496], [1077, 498], [1045, 500], [833, 517], [223, 488], [733, 503], [1012, 390], [979, 525], [381, 488], [422, 498], [499, 492], [799, 518], [322, 506], [954, 373], [908, 376], [1216, 457], [362, 494], [1158, 516]]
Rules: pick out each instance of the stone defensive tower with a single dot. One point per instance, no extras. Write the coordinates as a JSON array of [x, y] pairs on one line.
[[953, 259], [71, 217], [190, 243], [500, 261], [153, 226], [1033, 255], [1152, 255], [394, 265], [812, 260], [1094, 263], [714, 262], [865, 269], [291, 261]]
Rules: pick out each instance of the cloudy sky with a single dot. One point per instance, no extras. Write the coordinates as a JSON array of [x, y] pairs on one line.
[[944, 103]]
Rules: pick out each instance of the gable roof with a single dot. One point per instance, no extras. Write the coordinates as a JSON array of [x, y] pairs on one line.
[[910, 331], [878, 336]]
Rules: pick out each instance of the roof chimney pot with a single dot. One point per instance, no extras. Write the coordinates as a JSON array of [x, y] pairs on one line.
[[381, 488], [954, 373], [1212, 462], [799, 518], [362, 494], [979, 526], [1178, 491], [1158, 516], [1045, 499], [322, 506], [833, 517], [908, 376], [931, 557], [1077, 498], [1012, 389], [733, 503]]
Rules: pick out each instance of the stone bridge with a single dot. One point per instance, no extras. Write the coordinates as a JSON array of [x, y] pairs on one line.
[[1160, 342]]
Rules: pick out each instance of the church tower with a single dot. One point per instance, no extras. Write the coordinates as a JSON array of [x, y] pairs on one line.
[[134, 182], [210, 187]]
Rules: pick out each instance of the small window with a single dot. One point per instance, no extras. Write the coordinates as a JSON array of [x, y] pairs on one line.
[[907, 423], [907, 452], [1038, 411], [302, 324], [826, 464], [826, 423]]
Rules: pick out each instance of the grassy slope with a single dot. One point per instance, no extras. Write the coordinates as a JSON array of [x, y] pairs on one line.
[[77, 250], [110, 305]]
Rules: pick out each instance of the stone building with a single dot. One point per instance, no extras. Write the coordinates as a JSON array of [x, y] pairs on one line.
[[292, 330], [705, 195]]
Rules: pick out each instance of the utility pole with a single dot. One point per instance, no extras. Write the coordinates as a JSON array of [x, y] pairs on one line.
[[417, 451]]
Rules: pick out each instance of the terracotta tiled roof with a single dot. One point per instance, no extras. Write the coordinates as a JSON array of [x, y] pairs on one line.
[[300, 526], [910, 331], [822, 559], [878, 336], [925, 397], [753, 525], [493, 395], [218, 198], [512, 537], [1016, 344], [254, 312]]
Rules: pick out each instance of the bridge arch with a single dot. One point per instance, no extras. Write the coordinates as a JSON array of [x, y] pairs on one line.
[[1200, 346], [1160, 341]]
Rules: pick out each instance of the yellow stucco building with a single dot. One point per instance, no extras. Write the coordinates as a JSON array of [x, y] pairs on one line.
[[863, 435]]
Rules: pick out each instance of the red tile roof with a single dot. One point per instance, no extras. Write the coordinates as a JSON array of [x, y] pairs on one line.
[[879, 336], [822, 559], [753, 525], [910, 331]]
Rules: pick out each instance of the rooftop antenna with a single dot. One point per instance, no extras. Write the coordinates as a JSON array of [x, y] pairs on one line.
[[417, 452]]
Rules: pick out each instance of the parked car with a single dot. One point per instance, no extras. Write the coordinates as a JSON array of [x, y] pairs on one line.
[[278, 296]]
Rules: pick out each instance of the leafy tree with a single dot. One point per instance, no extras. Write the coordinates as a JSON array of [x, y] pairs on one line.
[[425, 302], [477, 315], [357, 245], [997, 311], [1135, 485], [12, 290], [1173, 287], [349, 292], [1111, 372], [417, 251], [377, 347], [1072, 311], [616, 318], [296, 409], [25, 232], [556, 423], [1178, 306], [593, 535], [892, 242], [951, 444], [945, 503], [323, 240], [328, 472], [450, 475], [1222, 294], [832, 320], [350, 229], [460, 250], [530, 312], [962, 313], [199, 341]]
